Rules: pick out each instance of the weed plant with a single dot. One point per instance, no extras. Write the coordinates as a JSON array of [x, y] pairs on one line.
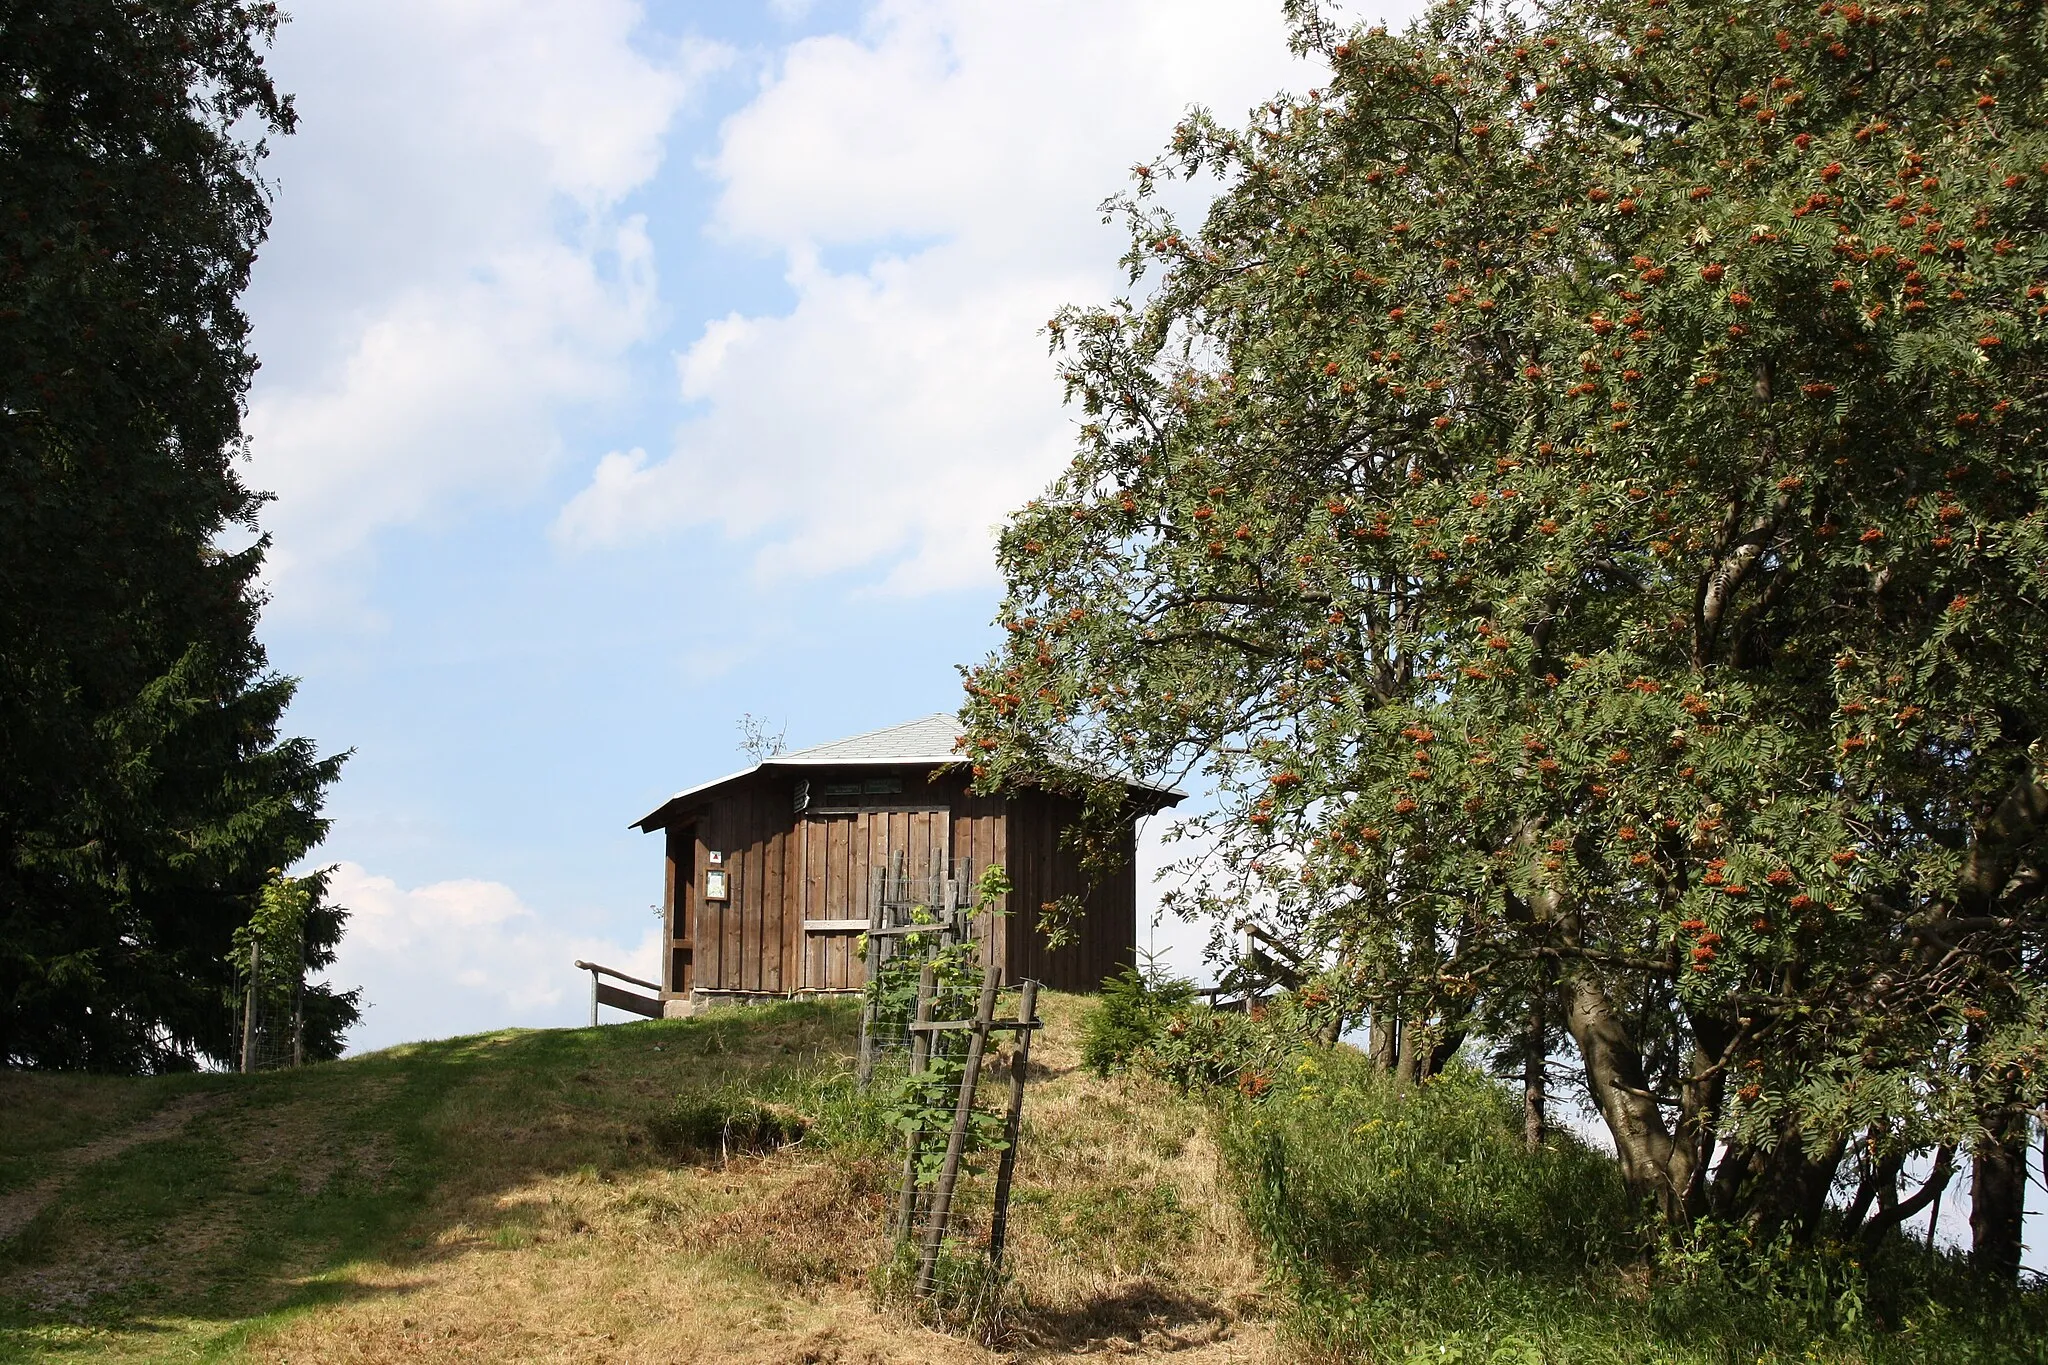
[[970, 1295], [727, 1123]]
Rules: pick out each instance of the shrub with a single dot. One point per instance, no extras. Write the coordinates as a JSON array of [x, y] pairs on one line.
[[1411, 1223], [1201, 1047], [1130, 1014], [1341, 1168]]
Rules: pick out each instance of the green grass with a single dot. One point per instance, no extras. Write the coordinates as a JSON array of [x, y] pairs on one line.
[[50, 1115], [256, 1208], [1412, 1225]]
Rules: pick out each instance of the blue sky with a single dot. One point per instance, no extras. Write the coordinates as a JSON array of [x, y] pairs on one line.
[[630, 367]]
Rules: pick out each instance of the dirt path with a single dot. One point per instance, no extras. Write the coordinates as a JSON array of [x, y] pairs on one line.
[[19, 1207]]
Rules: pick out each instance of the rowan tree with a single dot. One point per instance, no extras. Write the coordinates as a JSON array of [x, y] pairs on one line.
[[1577, 494], [146, 790]]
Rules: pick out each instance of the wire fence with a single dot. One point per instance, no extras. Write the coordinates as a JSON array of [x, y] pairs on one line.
[[912, 914], [268, 1006]]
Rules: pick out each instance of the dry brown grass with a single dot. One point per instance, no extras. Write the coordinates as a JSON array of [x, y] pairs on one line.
[[1122, 1244], [553, 1226]]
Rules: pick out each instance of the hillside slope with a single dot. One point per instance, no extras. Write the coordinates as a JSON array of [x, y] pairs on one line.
[[526, 1196]]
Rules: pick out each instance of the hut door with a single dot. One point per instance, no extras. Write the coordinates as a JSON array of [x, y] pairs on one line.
[[683, 909], [842, 850]]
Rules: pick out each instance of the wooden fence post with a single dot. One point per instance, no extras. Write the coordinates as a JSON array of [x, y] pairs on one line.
[[963, 1116], [920, 1054], [1013, 1122], [249, 1014], [877, 952]]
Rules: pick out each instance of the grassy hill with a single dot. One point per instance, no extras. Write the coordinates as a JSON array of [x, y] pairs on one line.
[[536, 1196], [543, 1196]]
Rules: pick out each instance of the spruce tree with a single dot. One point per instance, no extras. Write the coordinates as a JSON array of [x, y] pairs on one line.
[[146, 790]]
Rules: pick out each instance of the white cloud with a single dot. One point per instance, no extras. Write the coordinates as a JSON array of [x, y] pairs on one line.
[[891, 418], [448, 266], [464, 956]]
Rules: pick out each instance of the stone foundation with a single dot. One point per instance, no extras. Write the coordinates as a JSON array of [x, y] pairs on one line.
[[698, 1003]]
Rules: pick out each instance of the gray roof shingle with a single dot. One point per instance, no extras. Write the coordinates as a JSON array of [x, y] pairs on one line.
[[928, 739]]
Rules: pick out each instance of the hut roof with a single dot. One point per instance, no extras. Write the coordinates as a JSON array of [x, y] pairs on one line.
[[926, 740]]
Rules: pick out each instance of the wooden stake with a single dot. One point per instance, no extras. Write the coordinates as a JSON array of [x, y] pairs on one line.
[[963, 1116], [1013, 1123], [249, 1015], [920, 1053], [877, 948]]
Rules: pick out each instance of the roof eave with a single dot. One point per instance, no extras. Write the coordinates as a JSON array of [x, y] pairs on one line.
[[1157, 798], [645, 824]]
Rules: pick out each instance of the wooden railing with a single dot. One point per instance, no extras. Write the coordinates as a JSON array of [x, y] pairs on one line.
[[601, 994]]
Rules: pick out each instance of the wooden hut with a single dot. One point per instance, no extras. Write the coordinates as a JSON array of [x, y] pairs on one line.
[[773, 874]]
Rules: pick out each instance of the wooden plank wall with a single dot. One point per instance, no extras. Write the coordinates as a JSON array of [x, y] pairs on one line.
[[843, 851], [745, 943], [1042, 872], [980, 833], [838, 854], [784, 868]]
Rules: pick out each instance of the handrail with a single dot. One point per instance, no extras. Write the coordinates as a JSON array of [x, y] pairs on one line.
[[608, 971]]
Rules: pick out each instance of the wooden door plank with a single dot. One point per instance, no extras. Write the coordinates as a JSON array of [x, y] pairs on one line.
[[851, 897], [773, 912], [754, 927], [670, 929], [742, 887], [704, 929], [817, 837], [793, 918], [1042, 853], [850, 892], [753, 914], [917, 846], [796, 897], [734, 970], [832, 834]]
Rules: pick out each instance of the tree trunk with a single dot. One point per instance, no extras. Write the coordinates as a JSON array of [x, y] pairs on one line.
[[1443, 1050], [1998, 1185], [1614, 1075], [1534, 1090], [1700, 1097], [1735, 1177], [1998, 1193], [1384, 1045], [1445, 1039], [1817, 1178], [249, 1016], [299, 1019], [1890, 1215], [1880, 1182], [1406, 1060]]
